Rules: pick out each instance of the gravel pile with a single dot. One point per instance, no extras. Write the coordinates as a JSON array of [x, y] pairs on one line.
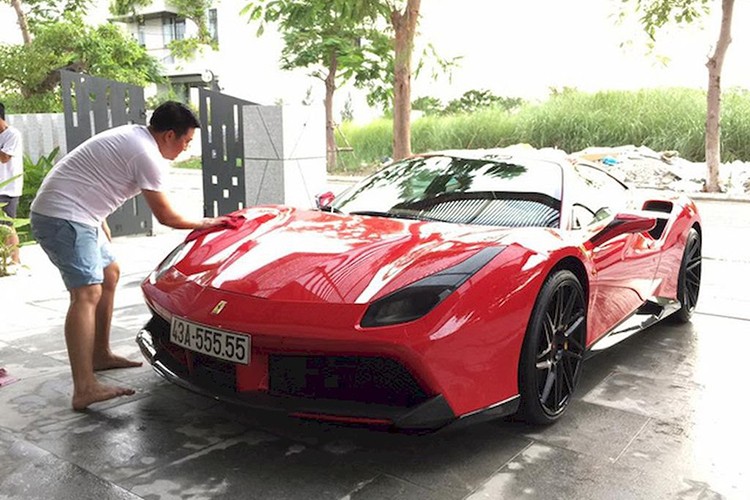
[[644, 167]]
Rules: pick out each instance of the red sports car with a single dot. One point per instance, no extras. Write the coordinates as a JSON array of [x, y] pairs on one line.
[[444, 286]]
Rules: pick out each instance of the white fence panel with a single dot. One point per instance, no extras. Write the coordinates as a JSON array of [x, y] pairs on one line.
[[42, 132]]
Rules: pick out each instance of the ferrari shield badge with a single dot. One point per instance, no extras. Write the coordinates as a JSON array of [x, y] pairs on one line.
[[219, 307]]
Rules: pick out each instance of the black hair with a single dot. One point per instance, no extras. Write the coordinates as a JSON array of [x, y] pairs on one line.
[[175, 116], [2, 111]]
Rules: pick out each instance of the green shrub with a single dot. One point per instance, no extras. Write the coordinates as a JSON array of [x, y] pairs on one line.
[[6, 250], [33, 175], [194, 163]]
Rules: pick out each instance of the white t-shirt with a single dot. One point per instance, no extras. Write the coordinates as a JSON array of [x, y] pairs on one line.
[[11, 144], [94, 179]]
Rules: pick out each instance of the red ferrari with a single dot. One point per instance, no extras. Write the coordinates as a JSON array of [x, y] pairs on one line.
[[445, 286]]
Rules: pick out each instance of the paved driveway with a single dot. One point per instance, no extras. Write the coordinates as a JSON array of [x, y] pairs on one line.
[[658, 416]]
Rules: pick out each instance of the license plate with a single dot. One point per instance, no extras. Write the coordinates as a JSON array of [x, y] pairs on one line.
[[210, 341]]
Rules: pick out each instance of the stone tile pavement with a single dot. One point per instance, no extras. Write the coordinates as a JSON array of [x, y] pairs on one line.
[[658, 416]]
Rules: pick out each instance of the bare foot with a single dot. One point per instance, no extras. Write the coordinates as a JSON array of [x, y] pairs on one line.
[[97, 393], [113, 361]]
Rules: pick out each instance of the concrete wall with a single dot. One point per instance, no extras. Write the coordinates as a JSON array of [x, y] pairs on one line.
[[42, 132], [285, 160]]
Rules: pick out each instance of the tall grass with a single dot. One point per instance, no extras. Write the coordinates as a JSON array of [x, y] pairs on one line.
[[661, 119]]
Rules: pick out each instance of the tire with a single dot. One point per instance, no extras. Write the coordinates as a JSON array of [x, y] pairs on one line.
[[553, 349], [689, 279]]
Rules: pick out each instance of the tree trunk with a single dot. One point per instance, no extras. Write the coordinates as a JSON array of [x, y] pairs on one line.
[[713, 104], [404, 25], [330, 81], [22, 21]]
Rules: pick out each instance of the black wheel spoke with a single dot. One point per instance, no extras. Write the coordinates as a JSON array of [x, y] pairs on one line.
[[544, 364], [694, 250], [572, 328], [548, 385], [569, 377], [568, 310], [692, 265], [578, 346], [573, 355]]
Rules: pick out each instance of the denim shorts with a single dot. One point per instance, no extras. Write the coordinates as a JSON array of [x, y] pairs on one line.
[[78, 251], [10, 207]]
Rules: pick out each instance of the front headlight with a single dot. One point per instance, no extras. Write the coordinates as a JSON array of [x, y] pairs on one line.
[[173, 258], [415, 300]]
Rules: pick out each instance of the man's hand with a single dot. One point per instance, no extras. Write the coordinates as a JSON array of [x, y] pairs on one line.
[[212, 222]]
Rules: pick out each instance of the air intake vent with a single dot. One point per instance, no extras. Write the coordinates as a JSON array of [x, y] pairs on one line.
[[658, 206]]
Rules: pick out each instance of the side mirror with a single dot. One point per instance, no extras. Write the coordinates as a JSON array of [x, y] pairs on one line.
[[324, 200], [624, 223]]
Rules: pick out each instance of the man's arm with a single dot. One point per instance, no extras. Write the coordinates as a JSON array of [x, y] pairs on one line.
[[106, 230], [165, 214], [5, 157]]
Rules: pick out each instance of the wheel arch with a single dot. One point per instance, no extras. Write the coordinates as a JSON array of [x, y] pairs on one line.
[[574, 265], [697, 226]]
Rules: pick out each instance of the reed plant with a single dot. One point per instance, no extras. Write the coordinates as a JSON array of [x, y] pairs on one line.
[[661, 119]]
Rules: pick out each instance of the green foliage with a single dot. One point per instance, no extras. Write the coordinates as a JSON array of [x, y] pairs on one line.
[[326, 37], [165, 93], [470, 102], [48, 102], [655, 14], [6, 250], [193, 163], [33, 175], [661, 119], [41, 12], [29, 72], [347, 114], [475, 100], [427, 105], [127, 7]]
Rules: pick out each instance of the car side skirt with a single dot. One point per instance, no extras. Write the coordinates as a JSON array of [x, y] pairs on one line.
[[652, 311]]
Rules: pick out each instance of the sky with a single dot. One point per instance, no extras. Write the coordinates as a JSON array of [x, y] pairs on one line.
[[524, 48]]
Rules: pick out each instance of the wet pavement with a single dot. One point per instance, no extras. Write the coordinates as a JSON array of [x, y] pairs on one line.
[[658, 416]]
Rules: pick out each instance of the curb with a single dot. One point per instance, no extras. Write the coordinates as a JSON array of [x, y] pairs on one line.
[[735, 198]]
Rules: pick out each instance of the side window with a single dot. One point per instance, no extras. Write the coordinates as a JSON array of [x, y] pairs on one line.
[[599, 193], [582, 216]]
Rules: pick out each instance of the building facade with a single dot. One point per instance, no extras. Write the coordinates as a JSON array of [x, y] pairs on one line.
[[231, 64]]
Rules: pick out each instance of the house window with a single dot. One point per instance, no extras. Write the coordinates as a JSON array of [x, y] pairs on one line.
[[173, 29], [142, 32], [213, 25]]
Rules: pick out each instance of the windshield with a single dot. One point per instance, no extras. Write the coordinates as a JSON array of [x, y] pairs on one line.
[[460, 190]]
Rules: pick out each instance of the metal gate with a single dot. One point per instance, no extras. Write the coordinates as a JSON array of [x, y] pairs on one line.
[[93, 105], [223, 152]]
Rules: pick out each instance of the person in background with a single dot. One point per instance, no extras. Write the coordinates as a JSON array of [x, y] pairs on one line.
[[11, 167], [68, 220]]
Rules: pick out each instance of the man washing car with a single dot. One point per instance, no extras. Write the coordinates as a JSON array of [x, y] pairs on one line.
[[68, 219]]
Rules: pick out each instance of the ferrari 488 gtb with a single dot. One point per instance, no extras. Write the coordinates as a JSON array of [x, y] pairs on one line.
[[444, 286]]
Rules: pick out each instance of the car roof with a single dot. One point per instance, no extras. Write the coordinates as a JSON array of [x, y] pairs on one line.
[[515, 153]]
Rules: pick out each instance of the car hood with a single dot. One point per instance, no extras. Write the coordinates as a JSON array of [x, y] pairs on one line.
[[283, 253]]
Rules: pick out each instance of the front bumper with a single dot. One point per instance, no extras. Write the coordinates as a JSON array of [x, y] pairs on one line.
[[418, 412]]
